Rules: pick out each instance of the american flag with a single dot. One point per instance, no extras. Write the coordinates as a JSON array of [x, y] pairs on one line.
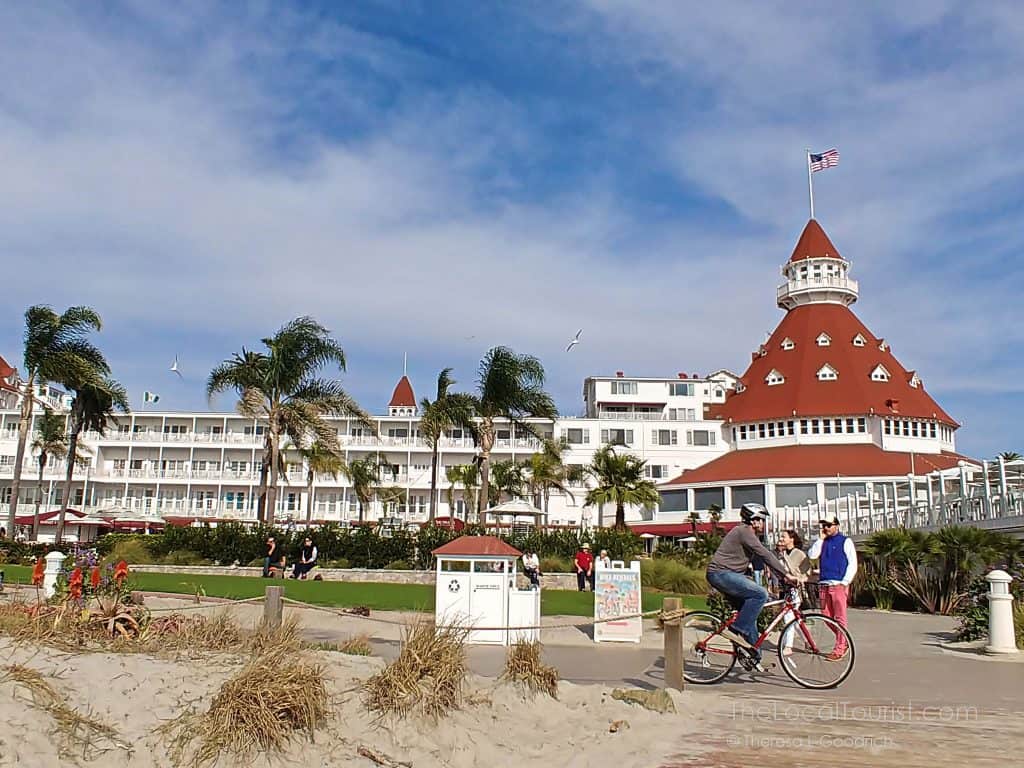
[[825, 160]]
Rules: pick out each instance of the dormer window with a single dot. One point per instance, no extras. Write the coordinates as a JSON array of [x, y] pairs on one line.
[[787, 344], [774, 378], [883, 346], [879, 374], [915, 381], [823, 340], [859, 340], [740, 386], [827, 373]]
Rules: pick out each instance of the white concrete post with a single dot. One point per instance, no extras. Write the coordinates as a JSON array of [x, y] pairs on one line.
[[54, 560], [1002, 487], [1000, 613]]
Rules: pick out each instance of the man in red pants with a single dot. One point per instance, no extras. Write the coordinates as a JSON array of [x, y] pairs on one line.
[[838, 566]]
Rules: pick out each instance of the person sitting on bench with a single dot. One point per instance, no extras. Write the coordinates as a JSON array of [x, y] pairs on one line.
[[307, 559], [274, 559]]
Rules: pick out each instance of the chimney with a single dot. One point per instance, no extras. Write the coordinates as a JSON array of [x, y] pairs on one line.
[[619, 374], [682, 376], [694, 376]]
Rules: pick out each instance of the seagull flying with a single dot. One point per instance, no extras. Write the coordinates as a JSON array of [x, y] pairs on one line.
[[575, 340], [174, 368]]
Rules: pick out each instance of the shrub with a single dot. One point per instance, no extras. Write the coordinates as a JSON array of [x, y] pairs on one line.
[[184, 557], [398, 565], [341, 562], [556, 565], [134, 551], [672, 576]]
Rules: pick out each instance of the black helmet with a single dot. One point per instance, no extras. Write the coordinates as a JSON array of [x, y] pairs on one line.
[[752, 511]]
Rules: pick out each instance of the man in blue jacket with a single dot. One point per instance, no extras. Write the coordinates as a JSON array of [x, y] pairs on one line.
[[838, 565]]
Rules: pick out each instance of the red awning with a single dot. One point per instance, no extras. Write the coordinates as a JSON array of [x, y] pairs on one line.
[[677, 529]]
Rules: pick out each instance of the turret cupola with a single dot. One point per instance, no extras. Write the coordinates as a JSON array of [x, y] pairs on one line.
[[816, 273]]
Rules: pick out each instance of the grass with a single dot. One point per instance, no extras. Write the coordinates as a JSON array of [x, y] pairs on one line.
[[374, 595]]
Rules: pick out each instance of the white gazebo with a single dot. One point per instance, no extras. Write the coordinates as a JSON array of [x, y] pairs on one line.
[[476, 588]]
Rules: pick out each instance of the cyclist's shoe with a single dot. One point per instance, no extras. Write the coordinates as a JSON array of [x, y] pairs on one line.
[[836, 655], [730, 634]]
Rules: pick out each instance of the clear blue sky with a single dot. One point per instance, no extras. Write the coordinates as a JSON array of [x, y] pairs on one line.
[[438, 177]]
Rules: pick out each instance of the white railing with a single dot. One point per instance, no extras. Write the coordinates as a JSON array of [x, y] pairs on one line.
[[817, 283], [631, 415]]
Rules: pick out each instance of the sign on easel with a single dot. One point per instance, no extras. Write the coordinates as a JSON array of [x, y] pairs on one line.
[[617, 594]]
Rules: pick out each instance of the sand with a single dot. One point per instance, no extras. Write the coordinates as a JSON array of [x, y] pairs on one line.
[[136, 694]]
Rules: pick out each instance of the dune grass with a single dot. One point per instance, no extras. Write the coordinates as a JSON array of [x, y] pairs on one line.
[[373, 595]]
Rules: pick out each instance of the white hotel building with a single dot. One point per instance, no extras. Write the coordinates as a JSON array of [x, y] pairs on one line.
[[193, 466]]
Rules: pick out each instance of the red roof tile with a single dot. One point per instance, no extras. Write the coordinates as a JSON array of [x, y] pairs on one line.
[[479, 546], [814, 461], [403, 395], [814, 244], [6, 369], [853, 393]]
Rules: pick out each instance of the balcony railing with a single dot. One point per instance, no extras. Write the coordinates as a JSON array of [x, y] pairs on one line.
[[817, 283], [632, 415]]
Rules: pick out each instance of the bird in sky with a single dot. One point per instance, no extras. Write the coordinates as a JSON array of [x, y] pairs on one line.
[[575, 340], [174, 368]]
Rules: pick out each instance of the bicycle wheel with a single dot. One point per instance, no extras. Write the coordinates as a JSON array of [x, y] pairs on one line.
[[811, 651], [707, 656]]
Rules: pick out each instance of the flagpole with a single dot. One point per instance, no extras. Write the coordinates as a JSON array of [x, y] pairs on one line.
[[810, 184]]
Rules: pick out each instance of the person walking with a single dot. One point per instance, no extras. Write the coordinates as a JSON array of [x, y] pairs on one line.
[[584, 565], [792, 555], [837, 566]]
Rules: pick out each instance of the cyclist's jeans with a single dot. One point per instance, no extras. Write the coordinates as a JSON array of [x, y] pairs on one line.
[[739, 587]]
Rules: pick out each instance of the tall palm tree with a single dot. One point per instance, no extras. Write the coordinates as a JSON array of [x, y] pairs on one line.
[[1010, 456], [449, 410], [320, 459], [509, 386], [508, 477], [94, 408], [364, 476], [57, 349], [281, 387], [620, 481], [547, 472], [468, 476], [51, 441]]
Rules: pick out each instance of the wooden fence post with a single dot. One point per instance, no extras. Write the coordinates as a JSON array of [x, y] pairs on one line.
[[272, 607], [673, 645]]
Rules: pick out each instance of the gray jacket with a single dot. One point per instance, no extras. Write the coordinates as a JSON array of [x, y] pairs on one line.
[[736, 549]]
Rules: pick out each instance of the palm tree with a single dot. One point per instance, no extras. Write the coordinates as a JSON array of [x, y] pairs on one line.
[[94, 407], [450, 410], [51, 440], [320, 459], [620, 481], [468, 476], [509, 477], [694, 521], [364, 475], [56, 349], [547, 472], [1007, 456], [510, 386], [281, 387]]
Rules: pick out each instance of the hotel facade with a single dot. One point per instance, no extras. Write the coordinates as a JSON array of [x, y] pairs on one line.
[[823, 412]]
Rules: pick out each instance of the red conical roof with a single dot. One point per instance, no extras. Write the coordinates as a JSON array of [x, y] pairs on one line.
[[852, 393], [403, 395], [814, 244]]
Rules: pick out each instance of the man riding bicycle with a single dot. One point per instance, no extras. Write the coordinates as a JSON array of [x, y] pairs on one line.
[[727, 573]]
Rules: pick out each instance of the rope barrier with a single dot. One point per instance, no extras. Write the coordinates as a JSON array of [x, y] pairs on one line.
[[659, 614]]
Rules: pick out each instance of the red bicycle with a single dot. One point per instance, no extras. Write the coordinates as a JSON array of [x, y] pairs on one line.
[[814, 650]]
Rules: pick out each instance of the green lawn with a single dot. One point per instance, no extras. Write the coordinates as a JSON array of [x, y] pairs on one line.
[[378, 596]]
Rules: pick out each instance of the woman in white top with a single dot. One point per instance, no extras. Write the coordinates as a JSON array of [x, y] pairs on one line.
[[603, 560], [531, 568]]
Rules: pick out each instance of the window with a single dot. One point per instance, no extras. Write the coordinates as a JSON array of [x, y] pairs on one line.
[[743, 432], [796, 494], [355, 431], [674, 501], [787, 344], [705, 498], [906, 429], [859, 340], [761, 431], [656, 471], [862, 425], [665, 437], [849, 426], [915, 381], [914, 429], [791, 428], [680, 389], [624, 388], [682, 414], [879, 374], [838, 426], [882, 345], [747, 494], [931, 430], [576, 436], [774, 378], [826, 426], [396, 432], [815, 427], [803, 426], [827, 373], [841, 490], [617, 436], [258, 430], [771, 429], [701, 437], [823, 340]]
